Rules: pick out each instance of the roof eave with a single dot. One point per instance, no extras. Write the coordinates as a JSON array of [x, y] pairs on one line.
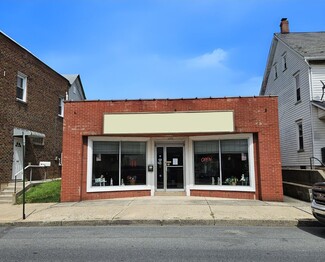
[[25, 49], [82, 88], [315, 58], [268, 65]]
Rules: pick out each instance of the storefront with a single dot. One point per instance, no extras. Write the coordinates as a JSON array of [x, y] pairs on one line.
[[226, 147]]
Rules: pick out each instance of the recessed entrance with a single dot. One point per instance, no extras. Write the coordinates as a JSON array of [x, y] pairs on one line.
[[169, 166]]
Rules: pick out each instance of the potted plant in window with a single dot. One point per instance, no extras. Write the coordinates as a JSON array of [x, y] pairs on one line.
[[132, 179], [231, 180]]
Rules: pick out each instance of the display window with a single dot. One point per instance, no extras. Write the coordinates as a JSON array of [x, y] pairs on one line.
[[221, 162], [118, 163]]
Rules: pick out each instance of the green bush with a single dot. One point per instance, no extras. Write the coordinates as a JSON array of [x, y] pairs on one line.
[[43, 193]]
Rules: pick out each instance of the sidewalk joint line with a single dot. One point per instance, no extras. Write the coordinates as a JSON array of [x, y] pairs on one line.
[[35, 211], [211, 212], [303, 210], [127, 206]]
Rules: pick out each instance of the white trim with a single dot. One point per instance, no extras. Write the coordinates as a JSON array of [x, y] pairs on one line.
[[90, 188], [297, 80], [223, 188], [24, 87], [284, 61], [251, 162], [275, 71], [20, 132], [175, 143], [298, 123], [188, 163], [61, 104]]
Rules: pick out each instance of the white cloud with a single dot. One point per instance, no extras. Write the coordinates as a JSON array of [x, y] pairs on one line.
[[156, 76], [215, 58]]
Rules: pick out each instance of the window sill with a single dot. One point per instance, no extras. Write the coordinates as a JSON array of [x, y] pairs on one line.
[[21, 101], [91, 189], [238, 188]]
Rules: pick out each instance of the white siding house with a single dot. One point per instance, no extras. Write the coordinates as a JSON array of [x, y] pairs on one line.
[[294, 72], [76, 91]]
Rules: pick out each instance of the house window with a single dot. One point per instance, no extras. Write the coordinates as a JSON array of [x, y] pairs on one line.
[[297, 81], [275, 68], [118, 163], [284, 62], [61, 106], [221, 162], [300, 136], [39, 141], [21, 87]]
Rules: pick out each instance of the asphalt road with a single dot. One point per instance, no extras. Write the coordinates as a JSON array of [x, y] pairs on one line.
[[139, 243]]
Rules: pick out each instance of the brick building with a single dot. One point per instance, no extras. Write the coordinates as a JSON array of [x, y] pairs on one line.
[[217, 147], [31, 106]]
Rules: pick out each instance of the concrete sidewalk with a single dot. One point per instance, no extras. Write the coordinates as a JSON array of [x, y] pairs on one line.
[[160, 210]]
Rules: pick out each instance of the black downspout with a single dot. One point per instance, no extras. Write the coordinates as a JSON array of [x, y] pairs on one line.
[[24, 190]]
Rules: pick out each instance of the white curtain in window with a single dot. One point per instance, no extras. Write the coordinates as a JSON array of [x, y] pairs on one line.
[[133, 148], [204, 147], [234, 146], [104, 147]]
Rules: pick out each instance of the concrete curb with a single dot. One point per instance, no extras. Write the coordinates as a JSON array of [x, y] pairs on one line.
[[169, 222]]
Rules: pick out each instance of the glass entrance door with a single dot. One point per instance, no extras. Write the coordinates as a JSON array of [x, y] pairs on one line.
[[169, 166]]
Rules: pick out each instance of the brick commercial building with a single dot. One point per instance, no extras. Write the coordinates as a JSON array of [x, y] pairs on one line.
[[216, 147], [31, 107]]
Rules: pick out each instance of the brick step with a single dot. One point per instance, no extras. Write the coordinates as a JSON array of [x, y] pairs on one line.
[[7, 199], [19, 185], [6, 193], [5, 202], [9, 189], [5, 196]]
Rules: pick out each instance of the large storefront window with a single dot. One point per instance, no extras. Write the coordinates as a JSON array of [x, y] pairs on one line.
[[133, 168], [206, 159], [234, 162], [119, 163], [231, 156]]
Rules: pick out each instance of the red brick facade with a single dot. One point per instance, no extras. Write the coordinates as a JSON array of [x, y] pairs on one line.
[[255, 115], [39, 113]]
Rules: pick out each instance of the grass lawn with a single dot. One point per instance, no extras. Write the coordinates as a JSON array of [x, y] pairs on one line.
[[43, 193]]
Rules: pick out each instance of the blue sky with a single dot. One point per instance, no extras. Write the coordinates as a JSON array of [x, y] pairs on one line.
[[132, 49]]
